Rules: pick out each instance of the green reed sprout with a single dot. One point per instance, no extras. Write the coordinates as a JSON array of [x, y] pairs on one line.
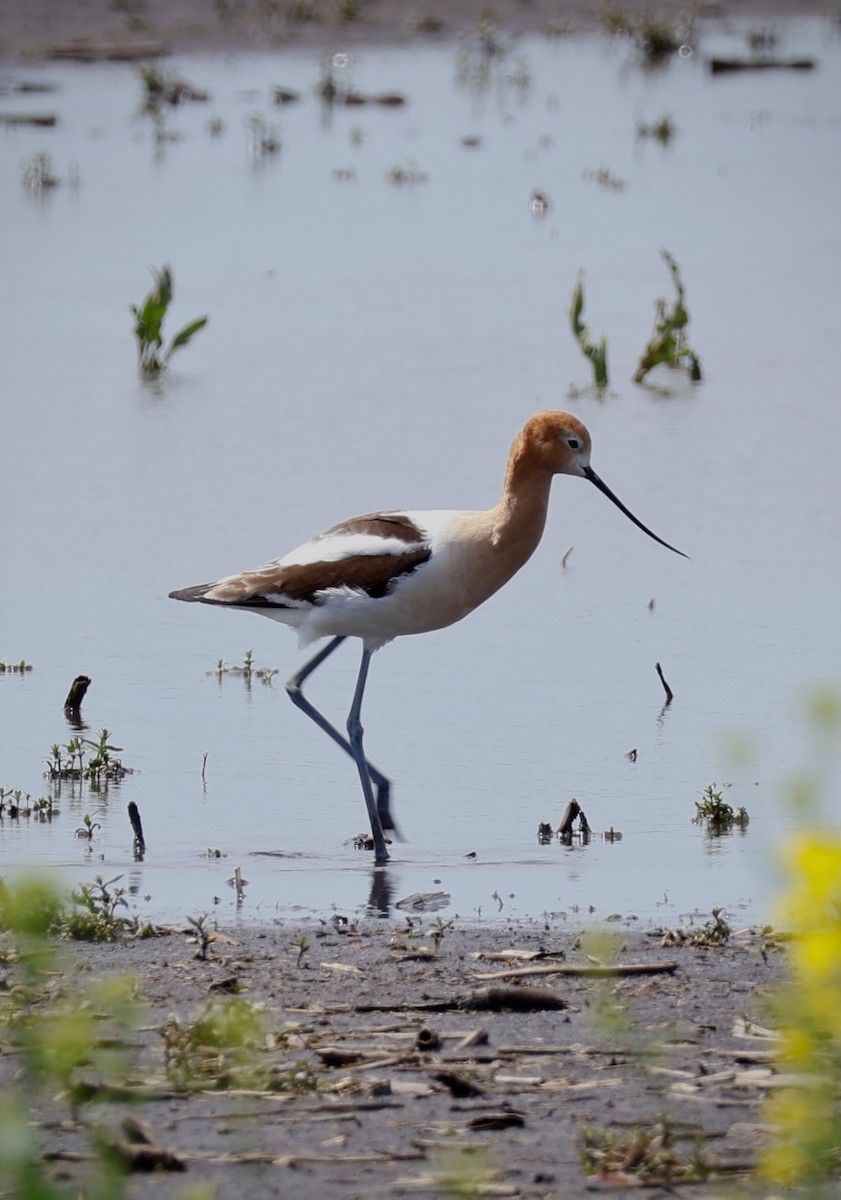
[[148, 328]]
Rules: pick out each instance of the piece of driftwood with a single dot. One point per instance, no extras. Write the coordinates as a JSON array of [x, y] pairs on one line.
[[424, 902], [495, 999], [519, 999], [144, 1158], [568, 819], [497, 1120], [723, 66], [95, 50], [457, 1084], [38, 120], [590, 970], [477, 1037], [338, 1056], [76, 695], [511, 956]]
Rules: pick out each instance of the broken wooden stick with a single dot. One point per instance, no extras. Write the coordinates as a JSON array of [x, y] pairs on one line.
[[594, 970], [76, 695], [568, 820]]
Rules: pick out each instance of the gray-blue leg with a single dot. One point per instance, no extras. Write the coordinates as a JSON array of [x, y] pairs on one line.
[[355, 731], [296, 695]]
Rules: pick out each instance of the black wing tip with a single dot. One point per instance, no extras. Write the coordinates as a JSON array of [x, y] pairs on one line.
[[199, 594], [192, 593]]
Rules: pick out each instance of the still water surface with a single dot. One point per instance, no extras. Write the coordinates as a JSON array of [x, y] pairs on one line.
[[377, 345]]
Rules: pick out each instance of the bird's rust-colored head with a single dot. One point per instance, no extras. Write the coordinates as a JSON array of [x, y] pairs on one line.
[[559, 443], [556, 442]]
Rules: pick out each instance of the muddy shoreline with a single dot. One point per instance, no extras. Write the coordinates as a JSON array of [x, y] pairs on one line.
[[37, 29], [386, 1071]]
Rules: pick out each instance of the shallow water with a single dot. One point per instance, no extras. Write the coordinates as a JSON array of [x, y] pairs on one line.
[[377, 345]]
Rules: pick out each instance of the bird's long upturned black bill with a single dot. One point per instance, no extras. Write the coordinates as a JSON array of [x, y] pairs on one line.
[[593, 477]]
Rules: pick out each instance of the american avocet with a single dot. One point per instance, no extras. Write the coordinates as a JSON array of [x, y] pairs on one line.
[[388, 574]]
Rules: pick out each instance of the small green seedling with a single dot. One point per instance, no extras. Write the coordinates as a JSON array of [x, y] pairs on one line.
[[15, 803], [303, 947], [88, 828], [247, 671], [668, 343], [437, 932], [597, 353], [202, 936], [148, 328]]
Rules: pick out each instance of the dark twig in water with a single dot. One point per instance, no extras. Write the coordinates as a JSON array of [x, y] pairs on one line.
[[669, 693]]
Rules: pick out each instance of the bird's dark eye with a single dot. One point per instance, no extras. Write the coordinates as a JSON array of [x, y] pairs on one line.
[[573, 443]]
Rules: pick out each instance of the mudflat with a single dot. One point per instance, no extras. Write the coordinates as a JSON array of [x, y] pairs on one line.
[[43, 28], [395, 1058]]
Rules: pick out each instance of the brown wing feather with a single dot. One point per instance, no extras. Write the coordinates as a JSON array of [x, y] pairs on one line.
[[384, 525], [370, 573]]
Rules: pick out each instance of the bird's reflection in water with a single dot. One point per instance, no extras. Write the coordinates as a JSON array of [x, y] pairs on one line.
[[382, 890]]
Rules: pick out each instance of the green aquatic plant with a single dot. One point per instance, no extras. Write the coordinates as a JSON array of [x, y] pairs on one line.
[[647, 1152], [714, 932], [596, 352], [656, 39], [94, 916], [716, 815], [164, 87], [18, 668], [15, 803], [668, 345], [247, 671], [221, 1048], [148, 328], [93, 762], [662, 131]]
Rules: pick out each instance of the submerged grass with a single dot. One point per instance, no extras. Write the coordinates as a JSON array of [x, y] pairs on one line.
[[668, 345], [596, 352]]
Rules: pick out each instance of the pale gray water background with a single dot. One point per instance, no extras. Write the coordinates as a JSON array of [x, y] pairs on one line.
[[370, 346]]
